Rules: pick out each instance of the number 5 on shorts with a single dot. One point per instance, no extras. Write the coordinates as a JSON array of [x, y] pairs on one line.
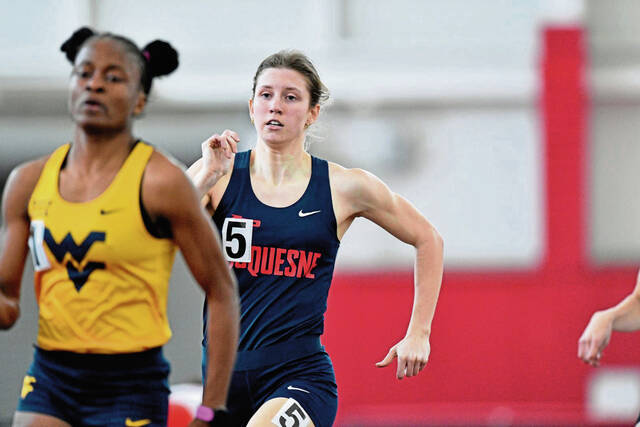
[[291, 415], [236, 239]]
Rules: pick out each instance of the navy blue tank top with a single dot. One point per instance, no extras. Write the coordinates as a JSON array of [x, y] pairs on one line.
[[283, 258]]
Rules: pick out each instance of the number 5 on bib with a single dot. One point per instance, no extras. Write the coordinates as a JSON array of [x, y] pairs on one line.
[[236, 239]]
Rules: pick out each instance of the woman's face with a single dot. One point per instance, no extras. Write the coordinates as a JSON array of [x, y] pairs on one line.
[[280, 105], [105, 92]]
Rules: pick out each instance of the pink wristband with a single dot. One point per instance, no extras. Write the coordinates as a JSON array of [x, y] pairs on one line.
[[204, 413]]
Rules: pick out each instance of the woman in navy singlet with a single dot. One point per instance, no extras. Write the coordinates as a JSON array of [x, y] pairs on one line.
[[282, 213]]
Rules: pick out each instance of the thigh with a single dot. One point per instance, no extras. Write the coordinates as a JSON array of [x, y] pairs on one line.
[[281, 411], [32, 419]]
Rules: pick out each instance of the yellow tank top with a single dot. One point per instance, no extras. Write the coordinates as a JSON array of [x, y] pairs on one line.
[[101, 278]]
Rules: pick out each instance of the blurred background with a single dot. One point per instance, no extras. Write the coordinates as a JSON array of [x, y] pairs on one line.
[[511, 125]]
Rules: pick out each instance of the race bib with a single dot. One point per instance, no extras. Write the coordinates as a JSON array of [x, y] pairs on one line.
[[36, 245], [236, 239], [291, 415]]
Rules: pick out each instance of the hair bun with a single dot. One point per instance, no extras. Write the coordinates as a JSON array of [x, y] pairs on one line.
[[73, 43], [162, 58]]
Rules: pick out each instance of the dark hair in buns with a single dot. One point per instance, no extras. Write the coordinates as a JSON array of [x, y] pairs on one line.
[[157, 58]]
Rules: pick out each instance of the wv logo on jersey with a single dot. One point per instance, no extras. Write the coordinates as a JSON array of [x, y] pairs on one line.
[[77, 273]]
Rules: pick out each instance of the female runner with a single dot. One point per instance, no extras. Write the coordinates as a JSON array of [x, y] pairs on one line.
[[282, 213], [103, 216]]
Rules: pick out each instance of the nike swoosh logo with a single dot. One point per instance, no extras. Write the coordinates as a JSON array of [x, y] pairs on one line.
[[109, 211], [296, 388], [303, 214], [129, 422]]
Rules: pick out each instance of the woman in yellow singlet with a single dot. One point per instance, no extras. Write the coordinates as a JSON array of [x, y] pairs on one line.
[[103, 217]]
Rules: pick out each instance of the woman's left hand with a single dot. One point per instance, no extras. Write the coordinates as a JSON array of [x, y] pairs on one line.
[[412, 353]]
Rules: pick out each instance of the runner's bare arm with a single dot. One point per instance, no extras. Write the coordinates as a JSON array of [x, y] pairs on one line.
[[168, 192], [359, 193], [624, 316], [14, 236]]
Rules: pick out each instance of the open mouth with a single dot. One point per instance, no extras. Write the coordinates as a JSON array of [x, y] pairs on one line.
[[93, 105], [274, 123]]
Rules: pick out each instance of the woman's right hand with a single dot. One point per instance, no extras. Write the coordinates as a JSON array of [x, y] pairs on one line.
[[217, 153], [595, 338], [217, 157]]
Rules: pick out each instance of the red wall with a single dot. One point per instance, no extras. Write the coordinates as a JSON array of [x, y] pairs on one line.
[[499, 340], [504, 344]]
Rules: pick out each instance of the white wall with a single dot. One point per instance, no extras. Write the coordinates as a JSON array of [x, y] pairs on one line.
[[614, 208], [460, 79], [406, 49], [478, 182]]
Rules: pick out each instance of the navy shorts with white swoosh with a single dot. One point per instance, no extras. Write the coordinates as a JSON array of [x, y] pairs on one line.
[[309, 380]]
